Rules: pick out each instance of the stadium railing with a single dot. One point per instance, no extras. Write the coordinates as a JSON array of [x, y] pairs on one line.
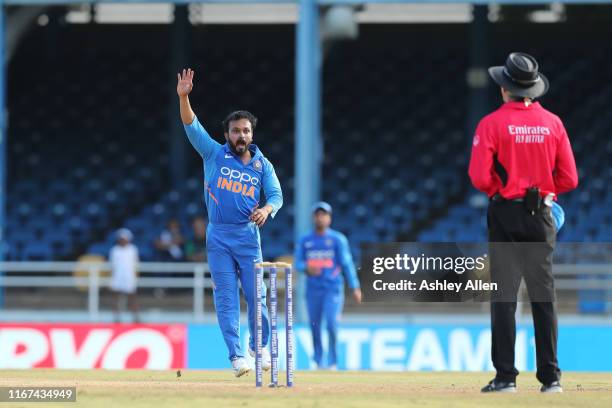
[[91, 276], [94, 276]]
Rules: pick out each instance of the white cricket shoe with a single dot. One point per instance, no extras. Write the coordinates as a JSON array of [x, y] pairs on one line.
[[553, 387], [240, 366], [266, 359]]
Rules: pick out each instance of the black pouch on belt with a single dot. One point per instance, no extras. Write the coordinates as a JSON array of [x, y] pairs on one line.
[[533, 200]]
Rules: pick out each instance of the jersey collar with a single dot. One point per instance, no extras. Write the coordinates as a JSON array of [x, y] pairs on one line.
[[521, 105], [316, 234], [255, 153]]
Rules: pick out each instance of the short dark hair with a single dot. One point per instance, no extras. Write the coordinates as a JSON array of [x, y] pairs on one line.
[[237, 115]]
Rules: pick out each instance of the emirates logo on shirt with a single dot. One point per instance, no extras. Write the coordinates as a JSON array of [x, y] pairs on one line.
[[529, 134], [476, 140]]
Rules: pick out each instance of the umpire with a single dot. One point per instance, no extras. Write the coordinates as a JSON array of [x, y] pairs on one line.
[[522, 159]]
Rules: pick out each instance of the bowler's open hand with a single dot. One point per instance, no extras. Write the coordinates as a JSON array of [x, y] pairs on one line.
[[185, 82]]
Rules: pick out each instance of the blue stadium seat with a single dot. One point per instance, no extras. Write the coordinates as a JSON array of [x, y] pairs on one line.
[[37, 251]]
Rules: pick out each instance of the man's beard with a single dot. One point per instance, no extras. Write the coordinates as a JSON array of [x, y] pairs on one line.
[[239, 148]]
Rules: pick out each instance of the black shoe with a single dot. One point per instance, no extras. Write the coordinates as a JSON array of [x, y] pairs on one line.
[[499, 386], [553, 387]]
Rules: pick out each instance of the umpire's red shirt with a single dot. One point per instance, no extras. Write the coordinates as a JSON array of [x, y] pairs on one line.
[[531, 145]]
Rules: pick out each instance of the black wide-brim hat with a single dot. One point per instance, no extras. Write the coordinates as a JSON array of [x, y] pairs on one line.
[[520, 76]]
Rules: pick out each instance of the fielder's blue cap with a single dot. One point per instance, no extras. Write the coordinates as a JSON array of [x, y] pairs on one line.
[[125, 233], [558, 215], [322, 205]]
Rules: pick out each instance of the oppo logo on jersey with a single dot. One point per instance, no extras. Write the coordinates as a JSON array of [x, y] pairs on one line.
[[320, 254], [320, 258], [237, 182], [233, 174]]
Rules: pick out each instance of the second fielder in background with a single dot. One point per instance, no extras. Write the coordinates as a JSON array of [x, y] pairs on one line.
[[324, 255]]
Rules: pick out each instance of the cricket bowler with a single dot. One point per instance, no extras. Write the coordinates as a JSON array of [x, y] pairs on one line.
[[234, 175]]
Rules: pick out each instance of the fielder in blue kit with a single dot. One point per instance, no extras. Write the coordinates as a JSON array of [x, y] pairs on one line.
[[234, 175], [324, 255]]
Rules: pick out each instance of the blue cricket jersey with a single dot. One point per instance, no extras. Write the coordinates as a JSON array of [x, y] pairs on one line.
[[233, 189], [331, 253]]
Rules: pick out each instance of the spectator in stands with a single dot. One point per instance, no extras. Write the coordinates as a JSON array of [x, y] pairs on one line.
[[169, 244], [324, 255], [522, 159], [124, 265], [195, 248]]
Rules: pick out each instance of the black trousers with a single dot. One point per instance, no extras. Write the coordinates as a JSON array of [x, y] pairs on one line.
[[527, 241]]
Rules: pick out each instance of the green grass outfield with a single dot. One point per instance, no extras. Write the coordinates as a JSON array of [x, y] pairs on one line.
[[108, 389]]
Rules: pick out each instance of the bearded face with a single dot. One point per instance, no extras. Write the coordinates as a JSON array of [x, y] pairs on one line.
[[240, 136]]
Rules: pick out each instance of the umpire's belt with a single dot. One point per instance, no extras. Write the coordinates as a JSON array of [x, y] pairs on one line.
[[498, 198]]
